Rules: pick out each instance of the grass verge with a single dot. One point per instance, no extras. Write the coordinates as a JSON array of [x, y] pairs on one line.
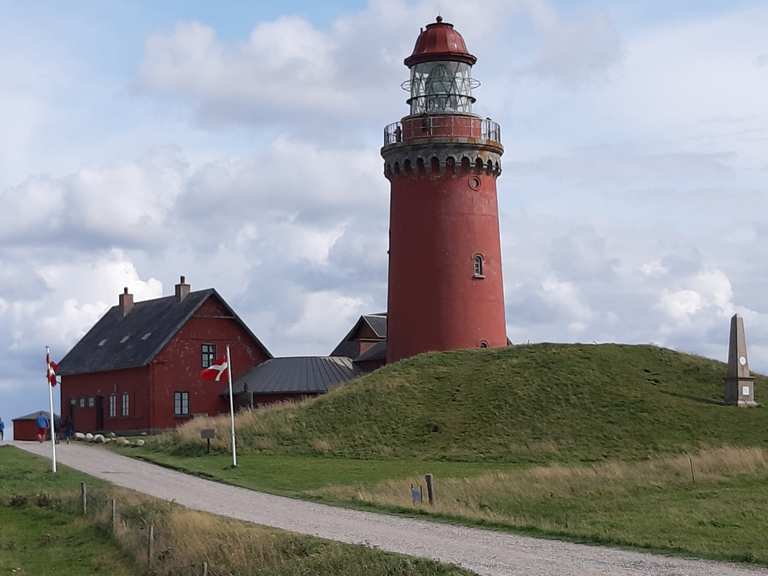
[[712, 505], [37, 536], [41, 508]]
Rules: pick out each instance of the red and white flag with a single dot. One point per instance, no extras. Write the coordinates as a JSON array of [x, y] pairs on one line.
[[216, 371], [52, 368]]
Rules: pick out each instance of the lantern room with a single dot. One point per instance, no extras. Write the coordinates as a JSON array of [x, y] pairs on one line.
[[441, 67]]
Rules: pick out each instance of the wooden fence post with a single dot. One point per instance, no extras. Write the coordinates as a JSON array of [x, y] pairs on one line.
[[430, 489], [83, 498], [150, 545], [693, 474]]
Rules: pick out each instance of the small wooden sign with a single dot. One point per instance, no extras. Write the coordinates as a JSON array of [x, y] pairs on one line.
[[207, 433]]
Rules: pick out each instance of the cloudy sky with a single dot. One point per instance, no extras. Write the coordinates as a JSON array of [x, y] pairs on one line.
[[238, 143]]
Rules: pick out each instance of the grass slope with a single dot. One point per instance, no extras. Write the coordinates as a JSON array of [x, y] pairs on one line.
[[533, 403]]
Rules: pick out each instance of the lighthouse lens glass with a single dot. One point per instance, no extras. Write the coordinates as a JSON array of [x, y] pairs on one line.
[[441, 86]]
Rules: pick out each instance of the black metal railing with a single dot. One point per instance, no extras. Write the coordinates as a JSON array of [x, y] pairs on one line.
[[445, 125]]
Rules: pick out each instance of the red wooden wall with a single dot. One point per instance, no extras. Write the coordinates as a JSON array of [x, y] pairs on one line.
[[175, 368]]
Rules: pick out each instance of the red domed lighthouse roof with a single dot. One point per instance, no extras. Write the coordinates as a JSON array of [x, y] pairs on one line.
[[439, 42]]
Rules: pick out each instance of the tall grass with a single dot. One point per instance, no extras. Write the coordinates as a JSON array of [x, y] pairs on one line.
[[713, 503], [256, 430], [184, 540], [468, 497]]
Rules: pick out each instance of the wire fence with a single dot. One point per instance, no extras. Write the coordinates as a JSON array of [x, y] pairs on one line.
[[138, 526]]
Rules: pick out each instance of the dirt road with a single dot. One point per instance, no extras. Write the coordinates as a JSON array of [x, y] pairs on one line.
[[486, 552]]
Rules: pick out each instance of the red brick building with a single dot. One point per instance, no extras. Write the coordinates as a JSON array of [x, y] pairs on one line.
[[138, 369]]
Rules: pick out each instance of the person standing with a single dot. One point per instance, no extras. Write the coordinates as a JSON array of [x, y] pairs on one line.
[[2, 430], [42, 427], [69, 431]]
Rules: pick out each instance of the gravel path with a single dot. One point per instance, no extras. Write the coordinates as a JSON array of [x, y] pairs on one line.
[[484, 551]]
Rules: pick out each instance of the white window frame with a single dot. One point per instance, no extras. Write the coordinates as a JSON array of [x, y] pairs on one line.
[[112, 405], [180, 404], [125, 406]]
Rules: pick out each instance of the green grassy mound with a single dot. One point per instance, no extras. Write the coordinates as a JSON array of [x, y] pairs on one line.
[[542, 402]]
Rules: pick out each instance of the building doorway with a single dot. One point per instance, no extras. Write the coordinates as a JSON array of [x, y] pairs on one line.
[[99, 413]]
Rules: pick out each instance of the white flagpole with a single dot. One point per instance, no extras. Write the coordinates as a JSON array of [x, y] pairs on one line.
[[51, 413], [231, 409]]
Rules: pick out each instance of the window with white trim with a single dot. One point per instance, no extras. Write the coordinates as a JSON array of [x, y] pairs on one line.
[[208, 353], [181, 403], [112, 405], [125, 407]]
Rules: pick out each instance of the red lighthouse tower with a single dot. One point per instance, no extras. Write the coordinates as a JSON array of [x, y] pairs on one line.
[[442, 161]]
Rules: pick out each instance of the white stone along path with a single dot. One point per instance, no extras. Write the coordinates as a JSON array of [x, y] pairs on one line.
[[484, 551]]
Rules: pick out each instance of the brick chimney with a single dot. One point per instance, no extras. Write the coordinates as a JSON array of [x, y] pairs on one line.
[[125, 302], [182, 289]]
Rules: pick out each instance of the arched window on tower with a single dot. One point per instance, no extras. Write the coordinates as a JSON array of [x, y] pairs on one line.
[[479, 266]]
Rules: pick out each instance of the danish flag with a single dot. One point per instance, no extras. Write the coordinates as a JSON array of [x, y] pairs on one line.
[[215, 371], [52, 367]]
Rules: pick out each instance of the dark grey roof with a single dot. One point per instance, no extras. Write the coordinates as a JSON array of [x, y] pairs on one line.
[[34, 415], [376, 352], [377, 323], [116, 342], [297, 375]]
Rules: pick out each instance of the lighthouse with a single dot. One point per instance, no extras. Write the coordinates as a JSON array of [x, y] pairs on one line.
[[442, 161]]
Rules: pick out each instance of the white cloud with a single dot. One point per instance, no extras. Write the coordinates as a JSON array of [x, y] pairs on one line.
[[125, 203], [77, 293], [286, 64], [566, 298], [709, 291], [290, 71], [327, 312], [654, 269], [682, 304]]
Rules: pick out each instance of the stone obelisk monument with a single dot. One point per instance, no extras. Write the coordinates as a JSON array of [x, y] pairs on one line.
[[739, 385]]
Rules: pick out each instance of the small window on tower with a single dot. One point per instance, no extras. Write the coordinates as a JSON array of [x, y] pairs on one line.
[[479, 266], [208, 355]]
